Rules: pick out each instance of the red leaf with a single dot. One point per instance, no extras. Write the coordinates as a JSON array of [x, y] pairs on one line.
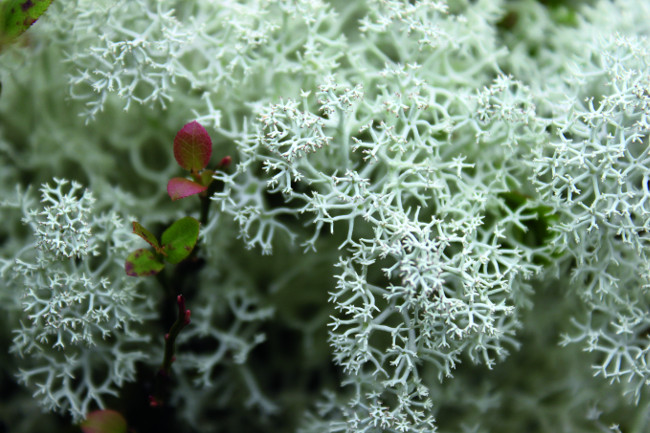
[[179, 187], [104, 421], [192, 147]]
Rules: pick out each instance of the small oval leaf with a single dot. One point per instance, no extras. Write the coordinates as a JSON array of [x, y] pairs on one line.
[[192, 147], [179, 239], [142, 263], [104, 421], [16, 16], [179, 187], [145, 234]]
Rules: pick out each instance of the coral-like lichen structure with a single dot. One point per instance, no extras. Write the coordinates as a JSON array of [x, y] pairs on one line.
[[436, 219]]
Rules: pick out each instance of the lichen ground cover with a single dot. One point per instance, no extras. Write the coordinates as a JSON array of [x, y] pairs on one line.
[[306, 216]]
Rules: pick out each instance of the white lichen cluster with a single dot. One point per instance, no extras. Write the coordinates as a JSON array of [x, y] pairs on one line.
[[78, 334], [437, 217]]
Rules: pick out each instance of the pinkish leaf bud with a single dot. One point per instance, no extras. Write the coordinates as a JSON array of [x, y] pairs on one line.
[[225, 161]]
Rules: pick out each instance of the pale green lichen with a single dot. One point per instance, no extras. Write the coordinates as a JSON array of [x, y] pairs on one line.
[[434, 208]]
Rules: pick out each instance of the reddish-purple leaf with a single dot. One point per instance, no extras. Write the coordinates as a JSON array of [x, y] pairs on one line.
[[104, 421], [192, 147], [179, 187]]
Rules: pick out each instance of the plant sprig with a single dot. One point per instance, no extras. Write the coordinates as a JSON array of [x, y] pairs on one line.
[[176, 244], [192, 151]]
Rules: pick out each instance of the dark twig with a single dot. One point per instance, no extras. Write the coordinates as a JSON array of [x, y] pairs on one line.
[[183, 319]]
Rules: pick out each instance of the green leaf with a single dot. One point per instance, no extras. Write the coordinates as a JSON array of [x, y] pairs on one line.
[[206, 177], [145, 234], [142, 263], [104, 421], [16, 16], [179, 239], [192, 147]]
